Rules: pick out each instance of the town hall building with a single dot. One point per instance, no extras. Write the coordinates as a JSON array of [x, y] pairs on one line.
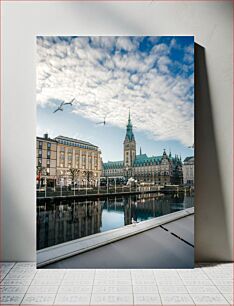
[[159, 170]]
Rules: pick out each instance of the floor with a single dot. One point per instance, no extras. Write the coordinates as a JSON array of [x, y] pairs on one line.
[[207, 284]]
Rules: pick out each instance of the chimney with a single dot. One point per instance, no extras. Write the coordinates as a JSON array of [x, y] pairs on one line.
[[46, 136]]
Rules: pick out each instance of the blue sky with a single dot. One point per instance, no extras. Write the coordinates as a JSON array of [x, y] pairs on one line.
[[153, 76]]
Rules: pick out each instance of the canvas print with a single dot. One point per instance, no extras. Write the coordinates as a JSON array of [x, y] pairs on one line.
[[115, 152]]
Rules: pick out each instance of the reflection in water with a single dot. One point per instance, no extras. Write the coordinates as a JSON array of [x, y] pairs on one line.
[[58, 222]]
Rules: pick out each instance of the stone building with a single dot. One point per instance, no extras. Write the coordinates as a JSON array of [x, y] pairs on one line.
[[46, 159], [161, 170], [80, 155], [188, 171], [56, 157]]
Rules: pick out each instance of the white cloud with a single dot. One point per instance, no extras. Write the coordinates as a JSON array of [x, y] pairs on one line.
[[107, 82], [189, 54], [163, 63], [125, 43]]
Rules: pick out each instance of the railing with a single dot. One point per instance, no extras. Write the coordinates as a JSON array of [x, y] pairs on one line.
[[46, 192], [101, 190]]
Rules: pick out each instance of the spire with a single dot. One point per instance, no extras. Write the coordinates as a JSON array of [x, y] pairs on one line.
[[129, 133], [140, 151]]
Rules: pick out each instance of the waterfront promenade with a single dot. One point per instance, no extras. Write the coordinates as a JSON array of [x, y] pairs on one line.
[[105, 192]]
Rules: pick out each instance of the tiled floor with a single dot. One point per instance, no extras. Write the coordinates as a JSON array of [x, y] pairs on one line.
[[207, 284]]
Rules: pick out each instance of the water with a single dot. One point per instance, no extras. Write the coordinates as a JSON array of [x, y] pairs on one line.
[[63, 221]]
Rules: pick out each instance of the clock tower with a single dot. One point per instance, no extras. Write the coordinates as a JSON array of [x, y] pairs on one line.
[[129, 148]]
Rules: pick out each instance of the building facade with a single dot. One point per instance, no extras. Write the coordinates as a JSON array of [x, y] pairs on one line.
[[160, 170], [80, 155], [188, 171], [46, 155], [64, 161]]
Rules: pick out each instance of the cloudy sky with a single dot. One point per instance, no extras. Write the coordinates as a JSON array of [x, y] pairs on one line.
[[153, 76]]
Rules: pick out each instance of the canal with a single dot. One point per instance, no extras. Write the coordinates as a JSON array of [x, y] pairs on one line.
[[71, 219]]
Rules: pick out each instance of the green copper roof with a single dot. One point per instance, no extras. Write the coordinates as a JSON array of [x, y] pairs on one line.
[[143, 159], [113, 165], [129, 133]]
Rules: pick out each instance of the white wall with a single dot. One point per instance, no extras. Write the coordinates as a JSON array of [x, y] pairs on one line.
[[211, 24]]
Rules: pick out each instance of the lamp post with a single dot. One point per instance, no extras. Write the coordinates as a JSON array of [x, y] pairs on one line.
[[127, 174], [54, 183], [61, 187], [45, 185], [45, 176]]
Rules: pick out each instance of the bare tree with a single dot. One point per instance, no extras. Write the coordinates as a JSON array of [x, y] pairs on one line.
[[88, 175], [74, 174]]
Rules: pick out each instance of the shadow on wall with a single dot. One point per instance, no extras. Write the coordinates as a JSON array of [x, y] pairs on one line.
[[211, 228]]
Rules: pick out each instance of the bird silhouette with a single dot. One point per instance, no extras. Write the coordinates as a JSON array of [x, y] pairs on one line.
[[69, 103], [102, 122], [60, 108]]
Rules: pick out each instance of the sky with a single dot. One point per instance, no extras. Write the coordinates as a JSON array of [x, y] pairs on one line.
[[153, 77]]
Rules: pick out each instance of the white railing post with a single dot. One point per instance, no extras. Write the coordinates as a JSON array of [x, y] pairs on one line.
[[45, 186]]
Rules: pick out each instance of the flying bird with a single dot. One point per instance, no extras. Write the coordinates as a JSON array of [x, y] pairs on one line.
[[69, 103], [102, 122], [60, 108]]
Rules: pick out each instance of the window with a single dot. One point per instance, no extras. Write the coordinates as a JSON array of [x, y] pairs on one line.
[[39, 162], [48, 162], [48, 145], [40, 144], [39, 153], [48, 154]]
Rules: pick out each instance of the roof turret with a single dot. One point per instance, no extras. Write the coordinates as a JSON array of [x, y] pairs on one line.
[[129, 133]]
